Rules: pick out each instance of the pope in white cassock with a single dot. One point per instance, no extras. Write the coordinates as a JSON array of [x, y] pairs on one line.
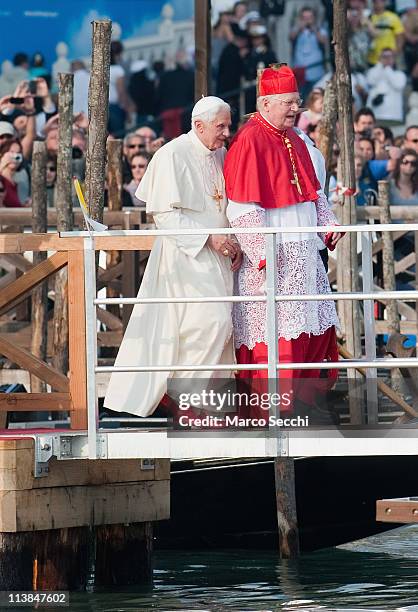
[[183, 188]]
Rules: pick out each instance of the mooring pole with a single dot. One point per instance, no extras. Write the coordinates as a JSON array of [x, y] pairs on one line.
[[114, 190], [328, 122], [389, 278], [98, 115], [39, 316], [202, 45], [64, 217], [287, 520], [347, 249]]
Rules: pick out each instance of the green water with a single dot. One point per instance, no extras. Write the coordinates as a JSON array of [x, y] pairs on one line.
[[378, 573]]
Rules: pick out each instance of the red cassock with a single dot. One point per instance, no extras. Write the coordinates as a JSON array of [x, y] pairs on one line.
[[266, 166]]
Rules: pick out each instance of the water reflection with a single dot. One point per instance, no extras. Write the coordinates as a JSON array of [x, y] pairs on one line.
[[378, 573]]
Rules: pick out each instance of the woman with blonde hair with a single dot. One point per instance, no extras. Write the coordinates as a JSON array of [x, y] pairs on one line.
[[314, 105]]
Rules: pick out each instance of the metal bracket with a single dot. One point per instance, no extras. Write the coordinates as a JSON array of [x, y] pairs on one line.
[[44, 450], [147, 464], [67, 447], [76, 446], [101, 446], [283, 444]]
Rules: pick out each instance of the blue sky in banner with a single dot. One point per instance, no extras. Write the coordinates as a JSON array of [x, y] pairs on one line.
[[38, 25]]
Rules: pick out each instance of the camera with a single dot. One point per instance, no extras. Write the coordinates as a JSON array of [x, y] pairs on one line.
[[16, 157], [33, 87], [367, 133], [76, 153]]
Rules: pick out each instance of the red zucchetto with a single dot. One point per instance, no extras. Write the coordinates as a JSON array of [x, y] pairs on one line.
[[277, 81]]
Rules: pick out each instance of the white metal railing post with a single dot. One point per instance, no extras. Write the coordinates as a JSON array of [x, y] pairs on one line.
[[271, 318], [369, 328], [91, 345], [273, 439]]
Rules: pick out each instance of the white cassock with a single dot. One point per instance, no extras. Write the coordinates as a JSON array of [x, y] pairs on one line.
[[178, 188]]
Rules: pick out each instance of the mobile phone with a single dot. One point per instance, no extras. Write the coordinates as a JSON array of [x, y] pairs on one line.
[[16, 157], [14, 100], [33, 87]]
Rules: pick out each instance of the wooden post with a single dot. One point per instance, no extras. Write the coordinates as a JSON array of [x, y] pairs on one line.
[[77, 340], [98, 116], [123, 554], [64, 218], [114, 189], [284, 471], [49, 526], [347, 249], [328, 122], [45, 560], [389, 281], [40, 294], [202, 48]]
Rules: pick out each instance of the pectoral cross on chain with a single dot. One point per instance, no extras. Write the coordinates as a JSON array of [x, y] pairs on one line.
[[295, 181], [218, 197]]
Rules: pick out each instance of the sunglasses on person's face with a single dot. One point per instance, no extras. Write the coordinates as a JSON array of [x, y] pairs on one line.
[[138, 166], [7, 136], [136, 146], [409, 162]]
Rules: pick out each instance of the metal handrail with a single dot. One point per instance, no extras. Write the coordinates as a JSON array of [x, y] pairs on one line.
[[406, 296], [345, 364], [384, 227], [272, 366]]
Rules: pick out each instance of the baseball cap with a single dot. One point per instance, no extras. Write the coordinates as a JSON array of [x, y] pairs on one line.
[[6, 128]]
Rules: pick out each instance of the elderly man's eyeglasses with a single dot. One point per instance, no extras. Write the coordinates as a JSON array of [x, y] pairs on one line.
[[290, 103]]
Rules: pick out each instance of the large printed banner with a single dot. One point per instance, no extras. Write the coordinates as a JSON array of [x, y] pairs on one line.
[[32, 26]]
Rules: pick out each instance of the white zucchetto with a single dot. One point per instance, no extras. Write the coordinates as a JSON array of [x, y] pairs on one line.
[[206, 104]]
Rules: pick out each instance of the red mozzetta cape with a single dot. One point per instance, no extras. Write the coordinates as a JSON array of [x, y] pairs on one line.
[[258, 167]]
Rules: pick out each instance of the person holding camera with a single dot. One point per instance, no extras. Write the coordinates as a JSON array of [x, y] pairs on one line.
[[309, 44], [387, 85], [23, 101]]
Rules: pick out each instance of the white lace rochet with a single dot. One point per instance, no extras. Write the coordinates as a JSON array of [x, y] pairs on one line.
[[299, 271]]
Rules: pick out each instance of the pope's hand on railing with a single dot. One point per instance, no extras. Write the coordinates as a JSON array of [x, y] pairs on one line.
[[224, 245]]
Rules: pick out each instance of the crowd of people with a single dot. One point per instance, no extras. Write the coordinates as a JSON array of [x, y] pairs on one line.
[[151, 104]]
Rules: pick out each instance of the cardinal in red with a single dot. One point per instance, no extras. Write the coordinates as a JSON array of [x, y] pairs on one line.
[[271, 181]]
